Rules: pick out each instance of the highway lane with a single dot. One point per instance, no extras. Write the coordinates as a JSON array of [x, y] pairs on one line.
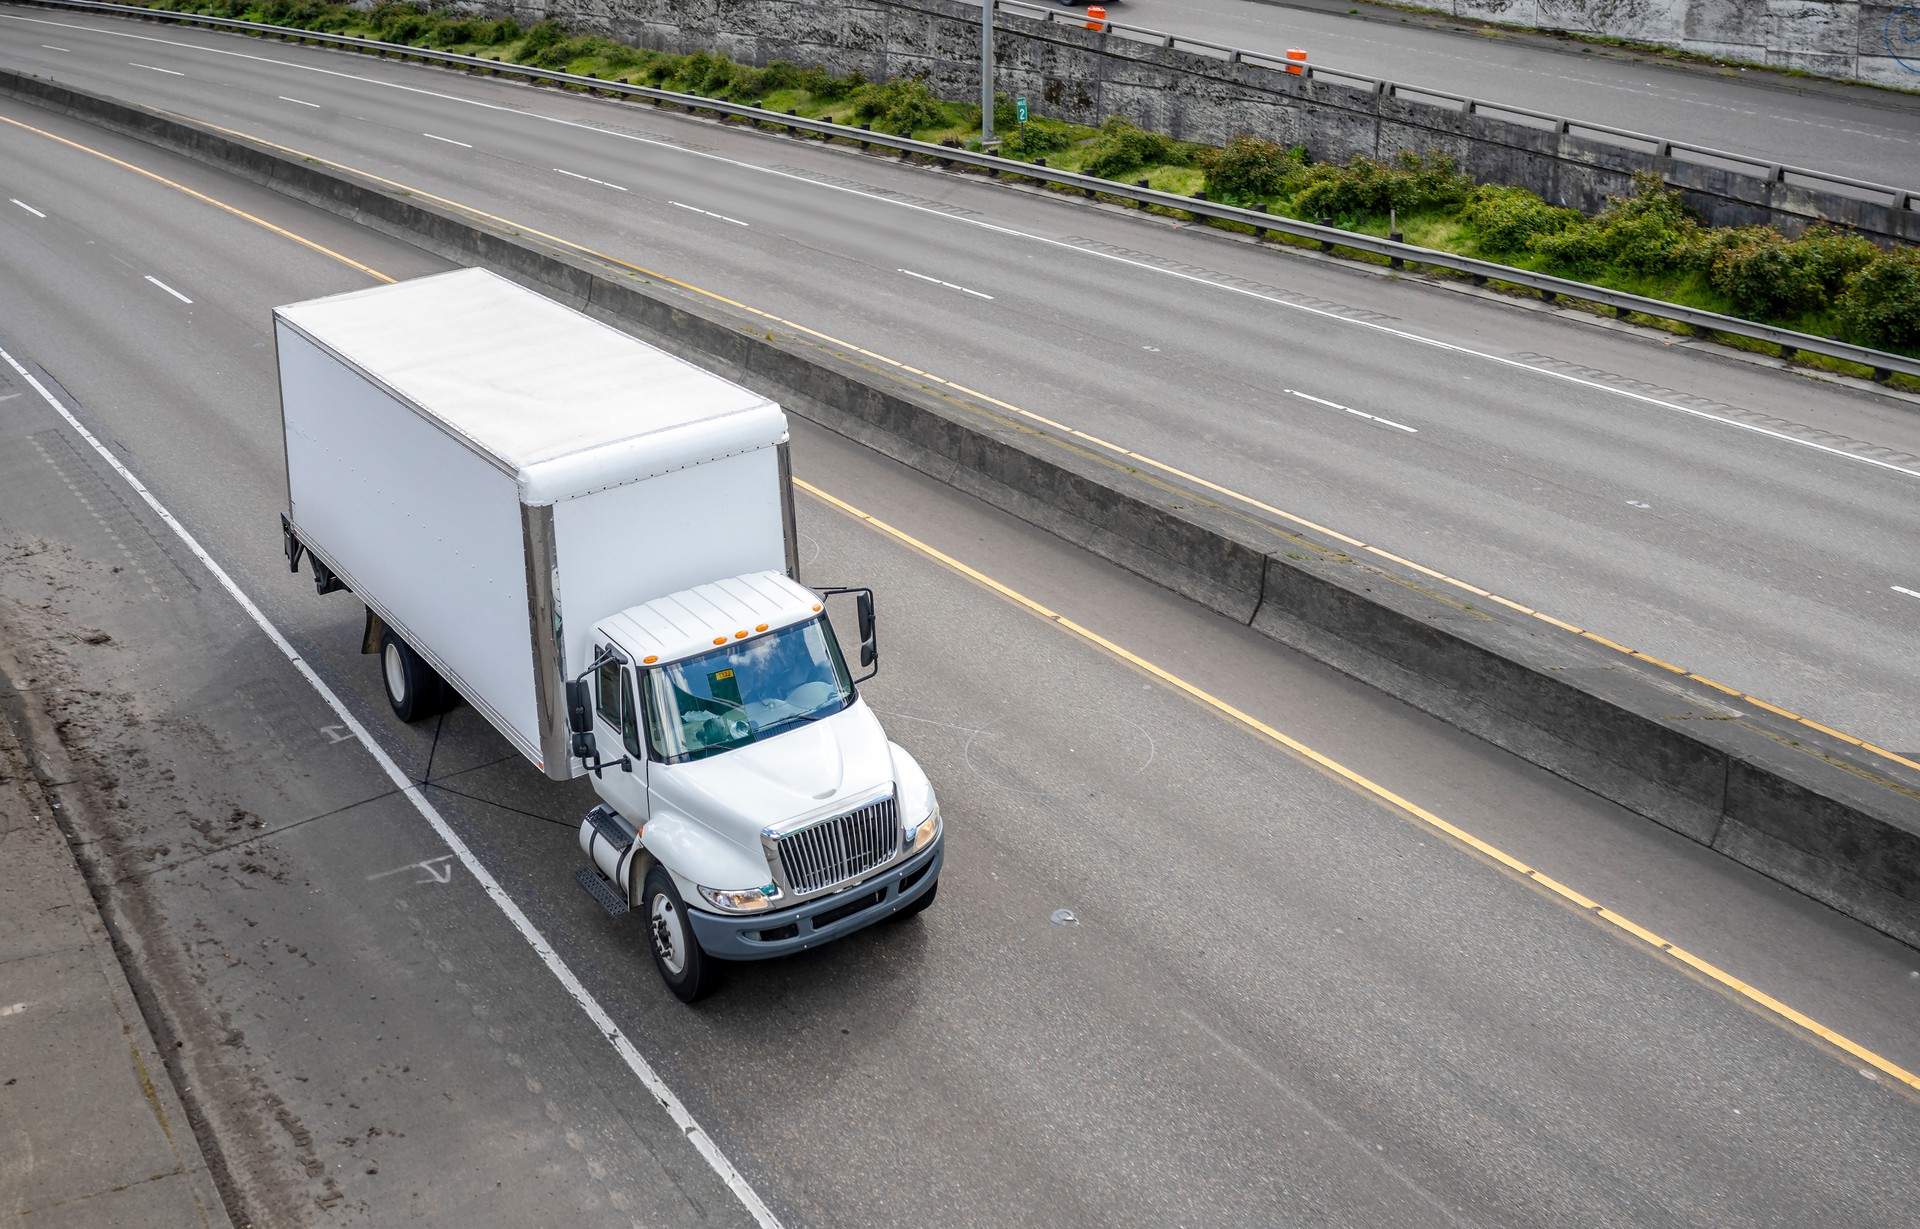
[[1853, 130], [1752, 559], [1282, 1001]]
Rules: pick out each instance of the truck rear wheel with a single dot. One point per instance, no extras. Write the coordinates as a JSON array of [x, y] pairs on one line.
[[689, 972], [414, 689]]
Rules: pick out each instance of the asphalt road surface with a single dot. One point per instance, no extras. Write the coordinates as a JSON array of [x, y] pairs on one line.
[[1281, 1000], [1857, 131], [1711, 512]]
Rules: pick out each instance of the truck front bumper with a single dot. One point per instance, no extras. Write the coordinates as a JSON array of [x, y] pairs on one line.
[[763, 935]]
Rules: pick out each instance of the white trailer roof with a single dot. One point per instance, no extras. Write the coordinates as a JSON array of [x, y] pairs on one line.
[[561, 401]]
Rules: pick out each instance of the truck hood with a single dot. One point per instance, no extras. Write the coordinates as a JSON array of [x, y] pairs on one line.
[[815, 769]]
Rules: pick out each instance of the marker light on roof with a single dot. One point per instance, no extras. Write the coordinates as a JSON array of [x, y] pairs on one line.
[[648, 661], [816, 607], [760, 627], [719, 639], [739, 635]]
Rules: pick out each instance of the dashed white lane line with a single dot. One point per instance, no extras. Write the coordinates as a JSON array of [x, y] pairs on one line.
[[723, 217], [1905, 590], [29, 208], [590, 179], [51, 47], [150, 68], [1344, 409], [949, 285], [303, 102], [448, 140], [170, 290]]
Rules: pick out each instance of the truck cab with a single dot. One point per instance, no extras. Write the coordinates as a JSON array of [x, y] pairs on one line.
[[751, 803]]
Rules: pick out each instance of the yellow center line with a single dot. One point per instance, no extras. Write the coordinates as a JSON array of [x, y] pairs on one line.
[[201, 196], [1589, 908], [1029, 415]]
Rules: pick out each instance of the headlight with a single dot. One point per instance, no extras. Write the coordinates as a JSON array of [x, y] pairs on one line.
[[749, 900], [922, 836]]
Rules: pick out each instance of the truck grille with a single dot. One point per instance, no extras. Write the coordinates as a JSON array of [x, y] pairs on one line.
[[844, 847]]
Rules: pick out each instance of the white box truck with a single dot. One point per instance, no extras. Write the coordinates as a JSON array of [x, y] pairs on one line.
[[591, 542]]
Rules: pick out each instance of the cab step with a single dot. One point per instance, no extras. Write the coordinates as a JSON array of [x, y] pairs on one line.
[[611, 826], [602, 890]]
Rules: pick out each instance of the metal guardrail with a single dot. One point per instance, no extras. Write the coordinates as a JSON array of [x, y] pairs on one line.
[[1881, 362], [1663, 147]]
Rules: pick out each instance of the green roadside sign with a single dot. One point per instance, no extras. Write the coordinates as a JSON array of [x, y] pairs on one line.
[[1020, 108]]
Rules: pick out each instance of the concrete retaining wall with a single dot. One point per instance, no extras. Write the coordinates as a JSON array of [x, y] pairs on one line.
[[1847, 39], [1076, 74], [1813, 813]]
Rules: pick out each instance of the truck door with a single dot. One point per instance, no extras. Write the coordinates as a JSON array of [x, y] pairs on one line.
[[616, 731]]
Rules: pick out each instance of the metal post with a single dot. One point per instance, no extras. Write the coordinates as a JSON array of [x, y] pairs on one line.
[[986, 75]]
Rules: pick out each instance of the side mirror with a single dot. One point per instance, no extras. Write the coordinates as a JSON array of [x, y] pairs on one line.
[[869, 645], [585, 748], [579, 712]]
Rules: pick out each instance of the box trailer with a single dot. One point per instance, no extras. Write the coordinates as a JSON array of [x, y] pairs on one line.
[[591, 542]]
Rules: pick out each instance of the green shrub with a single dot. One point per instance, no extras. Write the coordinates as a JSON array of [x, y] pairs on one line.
[[545, 35], [1651, 232], [1123, 146], [1881, 304], [823, 86], [1763, 273], [1413, 181], [400, 23], [454, 33], [502, 30], [1507, 219], [1037, 137], [903, 106], [1249, 169]]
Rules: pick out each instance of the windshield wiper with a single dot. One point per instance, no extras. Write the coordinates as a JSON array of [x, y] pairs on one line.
[[809, 718]]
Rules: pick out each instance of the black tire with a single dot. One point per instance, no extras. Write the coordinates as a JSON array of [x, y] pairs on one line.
[[414, 689], [688, 971], [919, 906]]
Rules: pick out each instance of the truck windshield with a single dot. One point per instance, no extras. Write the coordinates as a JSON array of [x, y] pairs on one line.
[[746, 691]]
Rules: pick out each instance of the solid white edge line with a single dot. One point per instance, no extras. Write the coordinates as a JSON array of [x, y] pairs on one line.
[[303, 102], [682, 1118], [1417, 339], [170, 290], [29, 208], [1907, 591]]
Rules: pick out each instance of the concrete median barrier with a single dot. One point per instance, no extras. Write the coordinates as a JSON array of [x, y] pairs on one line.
[[1810, 810]]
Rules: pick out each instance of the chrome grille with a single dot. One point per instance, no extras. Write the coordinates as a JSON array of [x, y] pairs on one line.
[[843, 847]]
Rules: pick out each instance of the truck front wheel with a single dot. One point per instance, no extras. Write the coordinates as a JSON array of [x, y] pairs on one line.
[[689, 972], [414, 688]]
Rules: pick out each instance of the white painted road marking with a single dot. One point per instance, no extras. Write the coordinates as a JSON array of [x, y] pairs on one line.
[[635, 1061], [590, 179], [1334, 405], [51, 47], [1905, 590], [448, 140], [949, 285], [14, 1009], [723, 217], [150, 68], [170, 290], [303, 102], [29, 208], [439, 870], [335, 733]]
